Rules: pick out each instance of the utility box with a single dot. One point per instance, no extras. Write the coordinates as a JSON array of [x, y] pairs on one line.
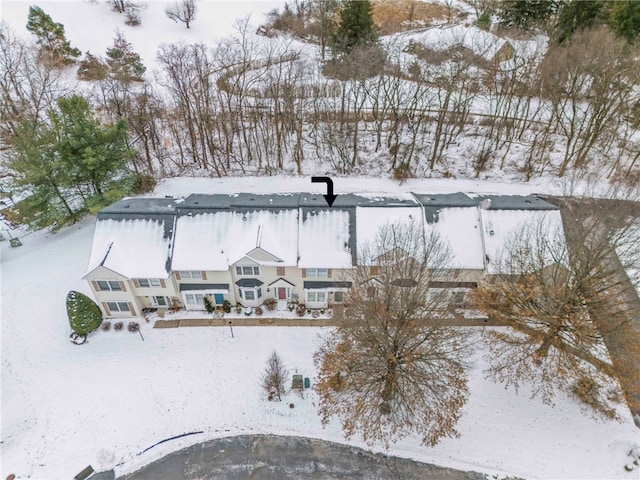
[[307, 382], [296, 383]]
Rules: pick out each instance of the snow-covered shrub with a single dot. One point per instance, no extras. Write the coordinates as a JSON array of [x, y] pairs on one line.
[[84, 315], [226, 306], [258, 310], [118, 326], [301, 309], [270, 304], [106, 326], [133, 327], [208, 306]]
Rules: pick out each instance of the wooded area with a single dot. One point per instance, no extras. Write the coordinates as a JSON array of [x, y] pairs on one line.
[[250, 105]]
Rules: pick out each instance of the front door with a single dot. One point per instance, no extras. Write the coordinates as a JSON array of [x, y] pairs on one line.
[[219, 298], [282, 293]]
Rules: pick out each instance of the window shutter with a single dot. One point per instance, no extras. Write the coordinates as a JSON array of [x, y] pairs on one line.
[[280, 271], [131, 309], [373, 270], [329, 273], [177, 275], [95, 286], [123, 287], [204, 275], [106, 308], [136, 283], [162, 284], [304, 273]]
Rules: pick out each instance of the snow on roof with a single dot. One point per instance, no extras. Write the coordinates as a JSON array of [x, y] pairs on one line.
[[460, 228], [369, 221], [480, 42], [324, 239], [214, 241], [135, 248], [500, 226]]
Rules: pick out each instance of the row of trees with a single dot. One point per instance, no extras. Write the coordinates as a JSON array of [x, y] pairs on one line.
[[394, 365], [560, 19], [262, 107]]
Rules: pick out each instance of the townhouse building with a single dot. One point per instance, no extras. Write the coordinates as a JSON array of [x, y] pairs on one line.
[[243, 248]]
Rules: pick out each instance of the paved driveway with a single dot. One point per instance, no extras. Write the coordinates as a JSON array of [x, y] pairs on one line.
[[272, 457]]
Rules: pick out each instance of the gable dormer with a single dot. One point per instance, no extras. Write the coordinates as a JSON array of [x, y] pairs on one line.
[[260, 255]]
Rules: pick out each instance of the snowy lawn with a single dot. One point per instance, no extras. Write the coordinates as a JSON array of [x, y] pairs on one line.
[[65, 406]]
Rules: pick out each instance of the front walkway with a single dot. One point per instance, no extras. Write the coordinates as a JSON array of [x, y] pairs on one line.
[[298, 322], [245, 322]]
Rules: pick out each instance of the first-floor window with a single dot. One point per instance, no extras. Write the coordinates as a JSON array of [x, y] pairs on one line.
[[337, 297], [161, 301], [316, 296], [194, 298], [251, 293], [118, 306]]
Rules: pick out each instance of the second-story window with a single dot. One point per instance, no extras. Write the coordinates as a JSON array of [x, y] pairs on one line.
[[247, 270], [190, 274], [316, 272], [109, 285], [149, 282]]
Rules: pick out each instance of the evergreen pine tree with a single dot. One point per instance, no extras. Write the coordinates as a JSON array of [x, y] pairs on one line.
[[125, 65], [577, 15], [93, 153], [208, 305], [624, 18], [526, 14], [356, 26], [67, 164], [54, 46], [84, 315]]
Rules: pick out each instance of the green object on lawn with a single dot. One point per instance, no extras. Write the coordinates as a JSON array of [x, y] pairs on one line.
[[296, 383]]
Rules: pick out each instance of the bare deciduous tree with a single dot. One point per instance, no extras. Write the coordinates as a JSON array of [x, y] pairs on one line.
[[391, 368], [183, 11], [548, 290], [275, 377]]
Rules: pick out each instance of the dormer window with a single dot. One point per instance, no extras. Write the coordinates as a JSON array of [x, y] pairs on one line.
[[247, 270]]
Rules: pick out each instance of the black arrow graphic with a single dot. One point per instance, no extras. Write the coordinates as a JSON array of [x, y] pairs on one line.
[[329, 197]]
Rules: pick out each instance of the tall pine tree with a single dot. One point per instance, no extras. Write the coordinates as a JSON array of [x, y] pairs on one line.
[[54, 46], [577, 15], [526, 14], [69, 164], [356, 26], [125, 65]]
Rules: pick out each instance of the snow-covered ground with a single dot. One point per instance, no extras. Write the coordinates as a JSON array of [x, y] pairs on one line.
[[91, 25], [66, 406]]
